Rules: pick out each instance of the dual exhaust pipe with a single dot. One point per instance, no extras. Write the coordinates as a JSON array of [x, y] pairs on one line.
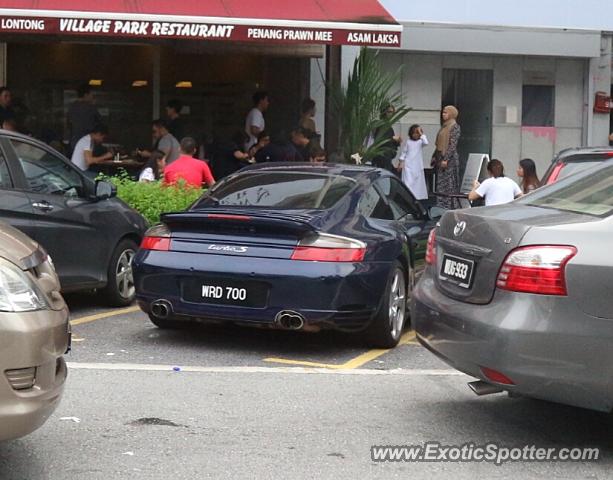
[[290, 320], [287, 319], [161, 309]]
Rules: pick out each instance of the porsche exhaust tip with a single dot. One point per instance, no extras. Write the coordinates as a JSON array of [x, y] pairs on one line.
[[290, 320], [161, 309]]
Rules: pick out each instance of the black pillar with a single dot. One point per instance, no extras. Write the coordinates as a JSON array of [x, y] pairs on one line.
[[333, 78]]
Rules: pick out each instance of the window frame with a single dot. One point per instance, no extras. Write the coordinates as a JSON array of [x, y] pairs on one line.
[[381, 198], [415, 214]]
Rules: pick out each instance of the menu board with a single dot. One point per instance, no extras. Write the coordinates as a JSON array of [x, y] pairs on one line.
[[476, 169]]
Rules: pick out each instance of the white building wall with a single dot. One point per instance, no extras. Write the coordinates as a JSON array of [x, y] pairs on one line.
[[499, 40], [571, 108], [599, 79], [506, 125], [421, 87]]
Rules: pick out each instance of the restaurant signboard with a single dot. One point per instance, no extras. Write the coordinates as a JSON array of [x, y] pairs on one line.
[[222, 29]]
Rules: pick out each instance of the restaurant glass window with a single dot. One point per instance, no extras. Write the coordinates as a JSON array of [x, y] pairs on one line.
[[214, 83], [46, 85]]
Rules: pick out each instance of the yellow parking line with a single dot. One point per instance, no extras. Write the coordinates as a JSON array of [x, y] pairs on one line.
[[301, 363], [100, 316], [376, 353], [364, 358], [354, 363], [409, 338]]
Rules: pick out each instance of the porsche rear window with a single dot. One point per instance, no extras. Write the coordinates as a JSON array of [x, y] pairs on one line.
[[284, 190], [589, 194]]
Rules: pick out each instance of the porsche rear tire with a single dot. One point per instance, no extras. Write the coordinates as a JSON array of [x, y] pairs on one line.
[[387, 326]]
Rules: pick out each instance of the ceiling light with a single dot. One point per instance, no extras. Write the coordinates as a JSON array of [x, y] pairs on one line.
[[140, 83], [95, 83], [184, 84]]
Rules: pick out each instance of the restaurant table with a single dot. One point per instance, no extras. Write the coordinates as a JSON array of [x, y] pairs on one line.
[[112, 167]]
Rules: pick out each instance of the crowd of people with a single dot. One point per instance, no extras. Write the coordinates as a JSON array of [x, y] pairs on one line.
[[445, 163], [175, 155], [495, 190], [87, 135], [167, 159]]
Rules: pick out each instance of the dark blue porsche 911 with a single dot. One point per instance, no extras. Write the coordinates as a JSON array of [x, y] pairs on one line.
[[292, 246]]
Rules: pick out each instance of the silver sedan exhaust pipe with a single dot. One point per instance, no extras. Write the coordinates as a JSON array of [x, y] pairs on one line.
[[483, 388], [290, 320], [161, 309]]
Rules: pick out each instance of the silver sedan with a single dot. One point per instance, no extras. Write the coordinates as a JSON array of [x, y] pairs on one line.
[[520, 296]]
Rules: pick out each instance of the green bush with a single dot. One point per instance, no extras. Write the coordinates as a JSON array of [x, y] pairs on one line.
[[151, 199]]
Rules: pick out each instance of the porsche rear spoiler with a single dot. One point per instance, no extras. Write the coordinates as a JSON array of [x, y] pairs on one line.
[[217, 220]]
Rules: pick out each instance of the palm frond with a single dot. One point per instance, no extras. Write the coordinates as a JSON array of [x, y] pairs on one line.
[[358, 106]]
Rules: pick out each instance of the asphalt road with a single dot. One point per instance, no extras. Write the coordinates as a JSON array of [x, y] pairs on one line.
[[217, 402]]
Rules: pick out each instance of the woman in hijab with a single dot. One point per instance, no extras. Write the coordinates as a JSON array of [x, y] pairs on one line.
[[445, 159]]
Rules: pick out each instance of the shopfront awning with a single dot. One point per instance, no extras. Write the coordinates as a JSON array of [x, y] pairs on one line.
[[327, 22]]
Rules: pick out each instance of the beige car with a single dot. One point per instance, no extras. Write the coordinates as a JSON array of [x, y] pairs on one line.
[[34, 335]]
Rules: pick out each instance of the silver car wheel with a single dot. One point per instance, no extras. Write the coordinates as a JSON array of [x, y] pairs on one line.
[[123, 274], [397, 304]]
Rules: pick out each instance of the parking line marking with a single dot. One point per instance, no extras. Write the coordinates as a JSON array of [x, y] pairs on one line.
[[100, 316], [409, 338], [138, 367], [376, 353], [365, 358], [352, 364], [302, 363]]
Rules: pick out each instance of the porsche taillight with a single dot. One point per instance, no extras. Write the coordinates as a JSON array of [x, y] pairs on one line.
[[156, 238], [329, 248]]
